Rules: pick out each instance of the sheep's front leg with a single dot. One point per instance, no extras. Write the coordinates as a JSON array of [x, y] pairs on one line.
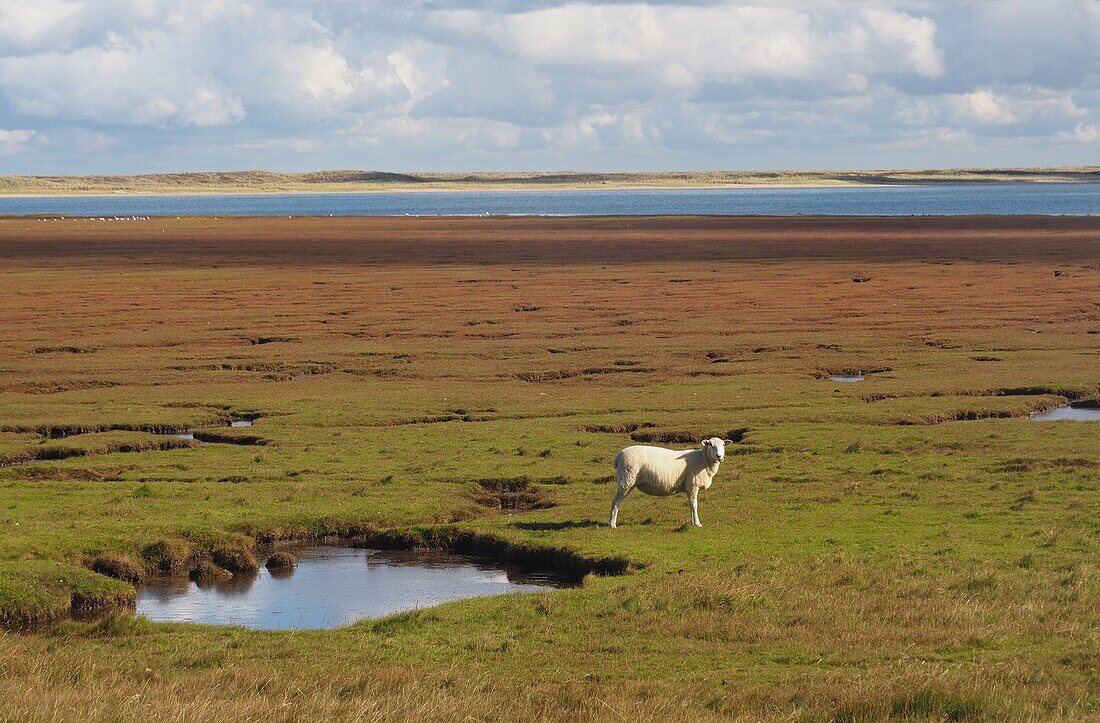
[[693, 498]]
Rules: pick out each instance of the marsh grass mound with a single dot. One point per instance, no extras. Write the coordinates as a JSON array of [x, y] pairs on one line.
[[208, 573], [567, 562], [512, 494], [167, 555], [619, 428], [665, 436], [281, 561], [235, 557], [119, 567], [227, 436], [93, 444]]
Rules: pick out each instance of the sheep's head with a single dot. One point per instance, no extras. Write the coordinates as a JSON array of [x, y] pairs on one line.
[[715, 449]]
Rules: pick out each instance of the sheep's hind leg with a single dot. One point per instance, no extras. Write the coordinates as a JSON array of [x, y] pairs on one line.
[[620, 495], [693, 498]]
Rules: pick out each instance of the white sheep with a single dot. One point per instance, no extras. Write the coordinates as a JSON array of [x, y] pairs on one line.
[[664, 472]]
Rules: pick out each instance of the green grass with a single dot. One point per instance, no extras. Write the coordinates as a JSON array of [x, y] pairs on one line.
[[33, 591], [818, 557]]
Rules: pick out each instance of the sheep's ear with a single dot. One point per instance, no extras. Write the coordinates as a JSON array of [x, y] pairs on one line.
[[728, 441], [704, 443]]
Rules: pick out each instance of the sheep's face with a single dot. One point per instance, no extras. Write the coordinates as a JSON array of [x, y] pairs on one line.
[[715, 448]]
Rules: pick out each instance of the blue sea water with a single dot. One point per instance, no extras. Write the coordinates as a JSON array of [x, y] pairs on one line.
[[1071, 199]]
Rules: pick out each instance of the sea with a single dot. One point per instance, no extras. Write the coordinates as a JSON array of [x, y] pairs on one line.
[[1048, 199]]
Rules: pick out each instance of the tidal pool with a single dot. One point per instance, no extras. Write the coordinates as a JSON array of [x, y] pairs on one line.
[[335, 586], [1069, 414], [853, 378]]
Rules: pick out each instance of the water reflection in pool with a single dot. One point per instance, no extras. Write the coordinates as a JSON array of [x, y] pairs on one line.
[[335, 586], [848, 378]]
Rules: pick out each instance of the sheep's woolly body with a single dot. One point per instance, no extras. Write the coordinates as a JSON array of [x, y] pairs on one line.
[[664, 472]]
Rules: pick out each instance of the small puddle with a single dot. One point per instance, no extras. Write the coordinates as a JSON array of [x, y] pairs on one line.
[[1068, 414], [334, 586], [855, 378]]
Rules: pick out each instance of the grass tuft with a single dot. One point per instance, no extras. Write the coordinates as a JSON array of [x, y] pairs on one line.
[[235, 557], [209, 573], [167, 555], [119, 567], [281, 560]]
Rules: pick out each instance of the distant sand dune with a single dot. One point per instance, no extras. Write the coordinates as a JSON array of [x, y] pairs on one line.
[[346, 181]]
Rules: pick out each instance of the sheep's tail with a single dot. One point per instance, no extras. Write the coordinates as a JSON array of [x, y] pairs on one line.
[[618, 463]]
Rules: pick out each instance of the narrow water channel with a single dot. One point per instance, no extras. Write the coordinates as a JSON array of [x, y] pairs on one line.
[[1068, 414], [190, 434]]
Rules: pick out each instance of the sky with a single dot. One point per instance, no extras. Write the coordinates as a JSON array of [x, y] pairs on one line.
[[146, 86]]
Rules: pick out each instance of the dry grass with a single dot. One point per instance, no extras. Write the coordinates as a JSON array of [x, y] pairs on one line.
[[365, 181]]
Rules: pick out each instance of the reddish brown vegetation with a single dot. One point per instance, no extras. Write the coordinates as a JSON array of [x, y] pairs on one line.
[[611, 240]]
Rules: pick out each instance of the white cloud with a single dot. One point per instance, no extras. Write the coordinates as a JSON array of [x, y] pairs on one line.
[[28, 26], [15, 140], [917, 111], [1082, 133], [930, 139], [321, 72], [92, 140], [205, 63], [982, 106], [405, 68], [611, 129], [134, 84], [911, 37], [39, 26], [681, 47]]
